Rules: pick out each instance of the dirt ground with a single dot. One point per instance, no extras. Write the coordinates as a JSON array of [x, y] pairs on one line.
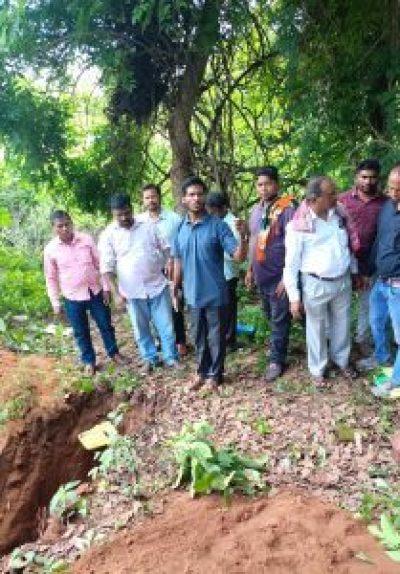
[[289, 532], [28, 372], [301, 529]]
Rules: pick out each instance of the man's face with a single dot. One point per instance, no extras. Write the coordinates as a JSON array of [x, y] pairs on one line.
[[64, 229], [328, 197], [123, 216], [267, 188], [367, 181], [151, 201], [393, 186], [194, 199]]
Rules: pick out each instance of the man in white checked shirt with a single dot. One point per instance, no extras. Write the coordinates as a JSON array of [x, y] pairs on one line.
[[136, 253], [318, 250]]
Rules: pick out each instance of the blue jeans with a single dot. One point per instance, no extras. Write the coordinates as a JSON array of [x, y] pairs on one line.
[[77, 313], [385, 304], [156, 310]]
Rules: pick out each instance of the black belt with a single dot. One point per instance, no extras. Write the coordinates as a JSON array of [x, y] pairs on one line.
[[326, 278]]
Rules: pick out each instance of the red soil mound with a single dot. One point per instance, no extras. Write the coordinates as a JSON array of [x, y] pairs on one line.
[[288, 533]]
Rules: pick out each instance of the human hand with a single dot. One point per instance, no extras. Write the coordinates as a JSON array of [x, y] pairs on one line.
[[249, 279], [169, 269], [107, 297], [59, 312], [120, 302], [241, 226], [280, 290], [296, 309]]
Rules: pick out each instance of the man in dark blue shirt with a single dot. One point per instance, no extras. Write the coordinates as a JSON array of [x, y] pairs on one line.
[[385, 295], [198, 252]]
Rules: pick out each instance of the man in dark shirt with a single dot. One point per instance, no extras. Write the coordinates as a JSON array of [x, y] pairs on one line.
[[364, 202], [385, 295], [268, 220], [198, 252]]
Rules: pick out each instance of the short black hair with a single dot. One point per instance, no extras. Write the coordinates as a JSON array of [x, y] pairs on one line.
[[59, 214], [371, 164], [154, 186], [120, 201], [270, 171], [217, 199], [192, 180]]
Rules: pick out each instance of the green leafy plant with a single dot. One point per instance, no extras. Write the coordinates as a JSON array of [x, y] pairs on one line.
[[389, 534], [206, 468], [117, 463], [67, 502], [384, 499], [262, 426], [33, 562]]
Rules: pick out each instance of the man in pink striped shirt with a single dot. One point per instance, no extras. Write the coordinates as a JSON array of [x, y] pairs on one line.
[[71, 265]]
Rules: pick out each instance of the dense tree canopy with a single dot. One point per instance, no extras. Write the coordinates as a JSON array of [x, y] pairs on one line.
[[210, 86]]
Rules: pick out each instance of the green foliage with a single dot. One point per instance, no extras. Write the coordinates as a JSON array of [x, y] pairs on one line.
[[253, 314], [262, 426], [117, 463], [31, 562], [384, 499], [21, 284], [67, 502], [16, 407], [389, 535], [206, 468], [32, 124], [342, 82]]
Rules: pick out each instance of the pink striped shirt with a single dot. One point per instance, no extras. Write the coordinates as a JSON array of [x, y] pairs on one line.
[[71, 269]]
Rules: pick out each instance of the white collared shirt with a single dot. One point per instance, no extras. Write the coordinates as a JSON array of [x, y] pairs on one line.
[[231, 268], [324, 252], [137, 256]]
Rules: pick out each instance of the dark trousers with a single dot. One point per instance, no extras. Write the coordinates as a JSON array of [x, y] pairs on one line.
[[179, 327], [208, 332], [231, 313], [77, 313], [278, 312]]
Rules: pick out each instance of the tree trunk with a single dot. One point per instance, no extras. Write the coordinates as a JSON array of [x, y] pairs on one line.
[[188, 92]]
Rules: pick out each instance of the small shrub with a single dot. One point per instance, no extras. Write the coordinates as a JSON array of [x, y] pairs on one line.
[[206, 468], [67, 502]]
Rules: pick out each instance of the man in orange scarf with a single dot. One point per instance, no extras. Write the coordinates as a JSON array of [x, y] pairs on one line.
[[268, 220]]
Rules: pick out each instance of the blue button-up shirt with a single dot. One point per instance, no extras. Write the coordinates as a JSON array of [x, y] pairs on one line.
[[386, 252], [200, 246]]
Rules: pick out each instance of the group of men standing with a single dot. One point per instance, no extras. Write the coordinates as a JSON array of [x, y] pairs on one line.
[[304, 259]]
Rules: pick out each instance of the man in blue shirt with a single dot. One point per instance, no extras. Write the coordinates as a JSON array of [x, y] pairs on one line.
[[385, 295], [198, 252]]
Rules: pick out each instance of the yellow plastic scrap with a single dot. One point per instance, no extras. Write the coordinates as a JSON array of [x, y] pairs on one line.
[[98, 436]]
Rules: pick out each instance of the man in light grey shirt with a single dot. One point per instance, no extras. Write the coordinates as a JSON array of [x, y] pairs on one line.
[[167, 222], [318, 249], [218, 204], [136, 253]]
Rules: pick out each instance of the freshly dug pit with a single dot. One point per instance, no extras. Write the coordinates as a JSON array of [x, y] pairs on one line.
[[290, 533], [38, 456]]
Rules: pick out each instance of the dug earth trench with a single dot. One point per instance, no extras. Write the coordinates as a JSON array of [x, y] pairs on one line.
[[289, 532], [37, 456]]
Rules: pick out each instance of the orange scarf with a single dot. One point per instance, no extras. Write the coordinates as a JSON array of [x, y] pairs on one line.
[[265, 236]]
